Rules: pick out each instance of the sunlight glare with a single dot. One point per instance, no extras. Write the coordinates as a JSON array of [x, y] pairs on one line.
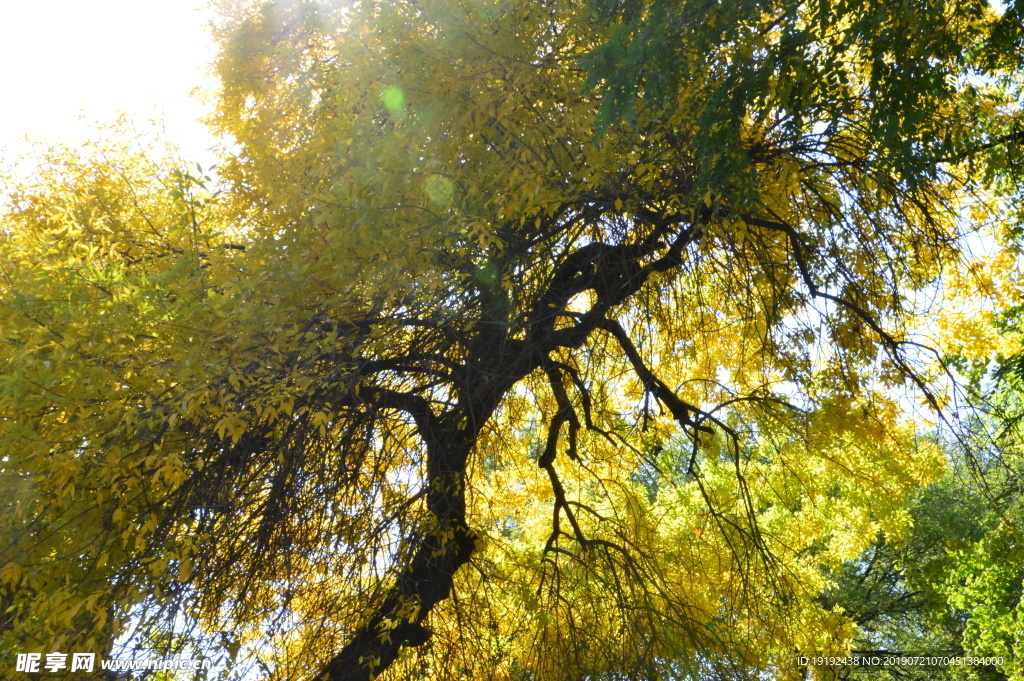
[[71, 65]]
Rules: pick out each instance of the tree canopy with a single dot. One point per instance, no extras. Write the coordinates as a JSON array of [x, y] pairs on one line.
[[512, 340]]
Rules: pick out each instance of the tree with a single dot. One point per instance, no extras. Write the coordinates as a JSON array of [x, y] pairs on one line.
[[983, 571], [459, 376], [905, 593]]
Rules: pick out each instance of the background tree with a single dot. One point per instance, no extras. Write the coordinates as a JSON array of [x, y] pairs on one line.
[[458, 376], [904, 594], [983, 570]]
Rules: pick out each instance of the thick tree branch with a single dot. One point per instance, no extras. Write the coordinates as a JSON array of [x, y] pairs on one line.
[[680, 410]]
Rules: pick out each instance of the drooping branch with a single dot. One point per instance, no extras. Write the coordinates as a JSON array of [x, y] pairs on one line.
[[565, 414], [563, 504], [890, 343], [585, 399], [680, 410]]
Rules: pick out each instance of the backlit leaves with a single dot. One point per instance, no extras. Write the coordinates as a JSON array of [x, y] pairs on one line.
[[453, 376]]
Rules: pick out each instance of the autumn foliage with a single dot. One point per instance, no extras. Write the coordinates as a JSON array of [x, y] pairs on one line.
[[475, 360]]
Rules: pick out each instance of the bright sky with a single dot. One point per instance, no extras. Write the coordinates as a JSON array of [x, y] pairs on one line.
[[68, 59]]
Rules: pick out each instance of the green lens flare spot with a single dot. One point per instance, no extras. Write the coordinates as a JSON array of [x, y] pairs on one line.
[[440, 190], [488, 275], [393, 98]]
